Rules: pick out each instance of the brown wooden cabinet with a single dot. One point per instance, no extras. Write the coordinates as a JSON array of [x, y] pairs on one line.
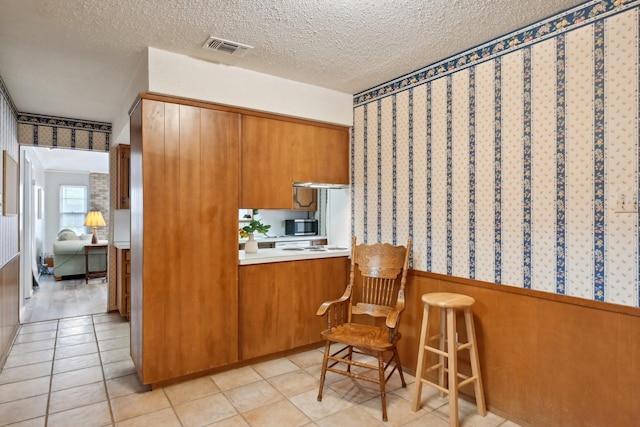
[[278, 303], [123, 282], [305, 199], [276, 152], [184, 240], [123, 187], [322, 155], [266, 163]]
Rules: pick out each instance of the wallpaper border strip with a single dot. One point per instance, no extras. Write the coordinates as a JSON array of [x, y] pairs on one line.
[[429, 141], [449, 167], [550, 27], [472, 172], [411, 207], [62, 122], [365, 186], [527, 179], [497, 210], [599, 172], [561, 176]]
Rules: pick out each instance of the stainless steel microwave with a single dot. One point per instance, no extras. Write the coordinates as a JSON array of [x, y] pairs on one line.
[[301, 227]]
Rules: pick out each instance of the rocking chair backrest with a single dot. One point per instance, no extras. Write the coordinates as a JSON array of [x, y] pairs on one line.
[[380, 265]]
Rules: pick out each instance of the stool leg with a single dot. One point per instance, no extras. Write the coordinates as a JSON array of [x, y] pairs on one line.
[[452, 366], [441, 346], [417, 392], [475, 362]]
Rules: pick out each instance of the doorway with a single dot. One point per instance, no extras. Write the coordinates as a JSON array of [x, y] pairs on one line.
[[49, 291]]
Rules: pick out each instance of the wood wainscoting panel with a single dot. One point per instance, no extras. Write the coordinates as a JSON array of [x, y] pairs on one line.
[[545, 359], [9, 305]]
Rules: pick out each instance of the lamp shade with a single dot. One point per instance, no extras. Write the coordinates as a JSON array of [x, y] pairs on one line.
[[94, 219]]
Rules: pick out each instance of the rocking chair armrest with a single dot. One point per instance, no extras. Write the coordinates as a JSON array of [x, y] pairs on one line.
[[328, 304], [393, 317]]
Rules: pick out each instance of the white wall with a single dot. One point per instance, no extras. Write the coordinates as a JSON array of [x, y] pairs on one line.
[[39, 223], [139, 83], [183, 76], [52, 200], [121, 225], [275, 218], [338, 217]]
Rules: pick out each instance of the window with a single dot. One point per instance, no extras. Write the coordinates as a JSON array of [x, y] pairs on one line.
[[73, 207]]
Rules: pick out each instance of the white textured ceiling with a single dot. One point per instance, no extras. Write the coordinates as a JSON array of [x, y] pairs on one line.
[[51, 159], [72, 58]]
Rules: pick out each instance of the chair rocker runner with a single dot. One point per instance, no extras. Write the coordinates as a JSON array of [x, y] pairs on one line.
[[382, 296]]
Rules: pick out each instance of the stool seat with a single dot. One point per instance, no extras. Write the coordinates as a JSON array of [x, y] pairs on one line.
[[447, 351], [448, 300]]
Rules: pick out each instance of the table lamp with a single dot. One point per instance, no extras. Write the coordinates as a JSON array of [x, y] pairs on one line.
[[94, 219]]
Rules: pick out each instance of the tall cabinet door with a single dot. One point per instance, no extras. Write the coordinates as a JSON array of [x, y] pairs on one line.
[[184, 213]]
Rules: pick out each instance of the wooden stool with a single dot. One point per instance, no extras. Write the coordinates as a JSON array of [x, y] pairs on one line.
[[448, 304]]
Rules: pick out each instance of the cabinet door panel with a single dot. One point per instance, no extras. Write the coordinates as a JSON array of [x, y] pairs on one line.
[[322, 155], [278, 303], [185, 300], [265, 164], [305, 199]]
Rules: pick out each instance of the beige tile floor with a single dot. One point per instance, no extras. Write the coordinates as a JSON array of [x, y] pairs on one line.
[[65, 298], [77, 372]]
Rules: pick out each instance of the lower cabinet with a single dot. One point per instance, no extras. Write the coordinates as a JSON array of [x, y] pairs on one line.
[[278, 303], [123, 282]]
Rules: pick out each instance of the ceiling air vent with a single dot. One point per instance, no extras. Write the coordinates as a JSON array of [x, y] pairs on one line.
[[226, 46]]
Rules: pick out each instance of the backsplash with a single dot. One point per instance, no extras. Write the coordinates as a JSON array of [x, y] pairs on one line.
[[507, 163]]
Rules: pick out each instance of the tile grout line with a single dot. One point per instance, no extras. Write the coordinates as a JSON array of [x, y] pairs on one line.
[[53, 361], [104, 381], [164, 390]]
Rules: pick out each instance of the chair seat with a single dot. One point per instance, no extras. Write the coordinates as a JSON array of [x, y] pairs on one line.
[[362, 336]]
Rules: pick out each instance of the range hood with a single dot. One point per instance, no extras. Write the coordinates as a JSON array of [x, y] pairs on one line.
[[320, 185]]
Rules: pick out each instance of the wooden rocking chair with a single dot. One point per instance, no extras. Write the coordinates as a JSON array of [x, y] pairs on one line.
[[380, 265]]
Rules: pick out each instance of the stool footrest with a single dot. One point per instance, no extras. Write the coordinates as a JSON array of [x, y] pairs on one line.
[[436, 350], [467, 381], [432, 384], [434, 367]]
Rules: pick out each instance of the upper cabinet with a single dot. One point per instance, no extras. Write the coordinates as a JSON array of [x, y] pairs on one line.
[[322, 155], [265, 167], [305, 199], [123, 153], [275, 153]]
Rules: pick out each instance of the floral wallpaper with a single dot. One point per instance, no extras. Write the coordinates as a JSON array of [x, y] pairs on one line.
[[516, 162], [8, 124]]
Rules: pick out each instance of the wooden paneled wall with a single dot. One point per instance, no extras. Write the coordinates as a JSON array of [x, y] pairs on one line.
[[546, 359], [9, 306]]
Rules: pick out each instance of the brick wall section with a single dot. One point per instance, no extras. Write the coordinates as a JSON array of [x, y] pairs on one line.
[[99, 199]]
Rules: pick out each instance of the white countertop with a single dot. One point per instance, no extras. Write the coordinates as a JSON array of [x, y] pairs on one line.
[[122, 245], [269, 255], [273, 239]]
